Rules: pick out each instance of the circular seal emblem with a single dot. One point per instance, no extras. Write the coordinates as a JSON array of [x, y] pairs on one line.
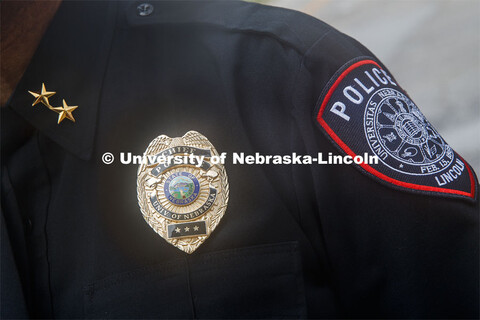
[[402, 138], [181, 188]]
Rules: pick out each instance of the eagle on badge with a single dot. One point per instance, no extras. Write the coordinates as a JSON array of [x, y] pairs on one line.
[[181, 192]]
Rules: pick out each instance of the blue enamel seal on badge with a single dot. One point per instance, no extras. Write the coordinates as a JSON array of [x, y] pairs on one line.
[[181, 188]]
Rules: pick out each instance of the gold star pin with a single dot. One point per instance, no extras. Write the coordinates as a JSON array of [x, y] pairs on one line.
[[42, 96], [65, 112]]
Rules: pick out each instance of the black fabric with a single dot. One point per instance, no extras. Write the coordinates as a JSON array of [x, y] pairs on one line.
[[270, 274], [12, 296], [296, 240]]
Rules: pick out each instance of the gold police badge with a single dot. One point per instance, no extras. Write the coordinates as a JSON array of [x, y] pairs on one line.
[[182, 189]]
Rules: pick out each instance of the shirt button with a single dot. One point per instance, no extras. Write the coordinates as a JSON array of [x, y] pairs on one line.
[[145, 9]]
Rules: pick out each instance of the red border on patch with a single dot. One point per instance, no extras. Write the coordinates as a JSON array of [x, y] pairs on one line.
[[367, 167]]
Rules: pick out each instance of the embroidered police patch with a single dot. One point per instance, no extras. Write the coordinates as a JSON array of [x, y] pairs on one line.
[[364, 110]]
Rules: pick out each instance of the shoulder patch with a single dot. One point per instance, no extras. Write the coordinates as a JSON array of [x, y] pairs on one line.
[[364, 110]]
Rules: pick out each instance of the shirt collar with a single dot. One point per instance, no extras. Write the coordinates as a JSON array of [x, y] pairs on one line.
[[71, 60]]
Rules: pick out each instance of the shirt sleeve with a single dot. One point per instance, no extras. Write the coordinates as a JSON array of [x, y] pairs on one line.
[[401, 234]]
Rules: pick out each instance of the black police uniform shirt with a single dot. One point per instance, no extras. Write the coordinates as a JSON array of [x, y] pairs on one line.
[[296, 240]]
